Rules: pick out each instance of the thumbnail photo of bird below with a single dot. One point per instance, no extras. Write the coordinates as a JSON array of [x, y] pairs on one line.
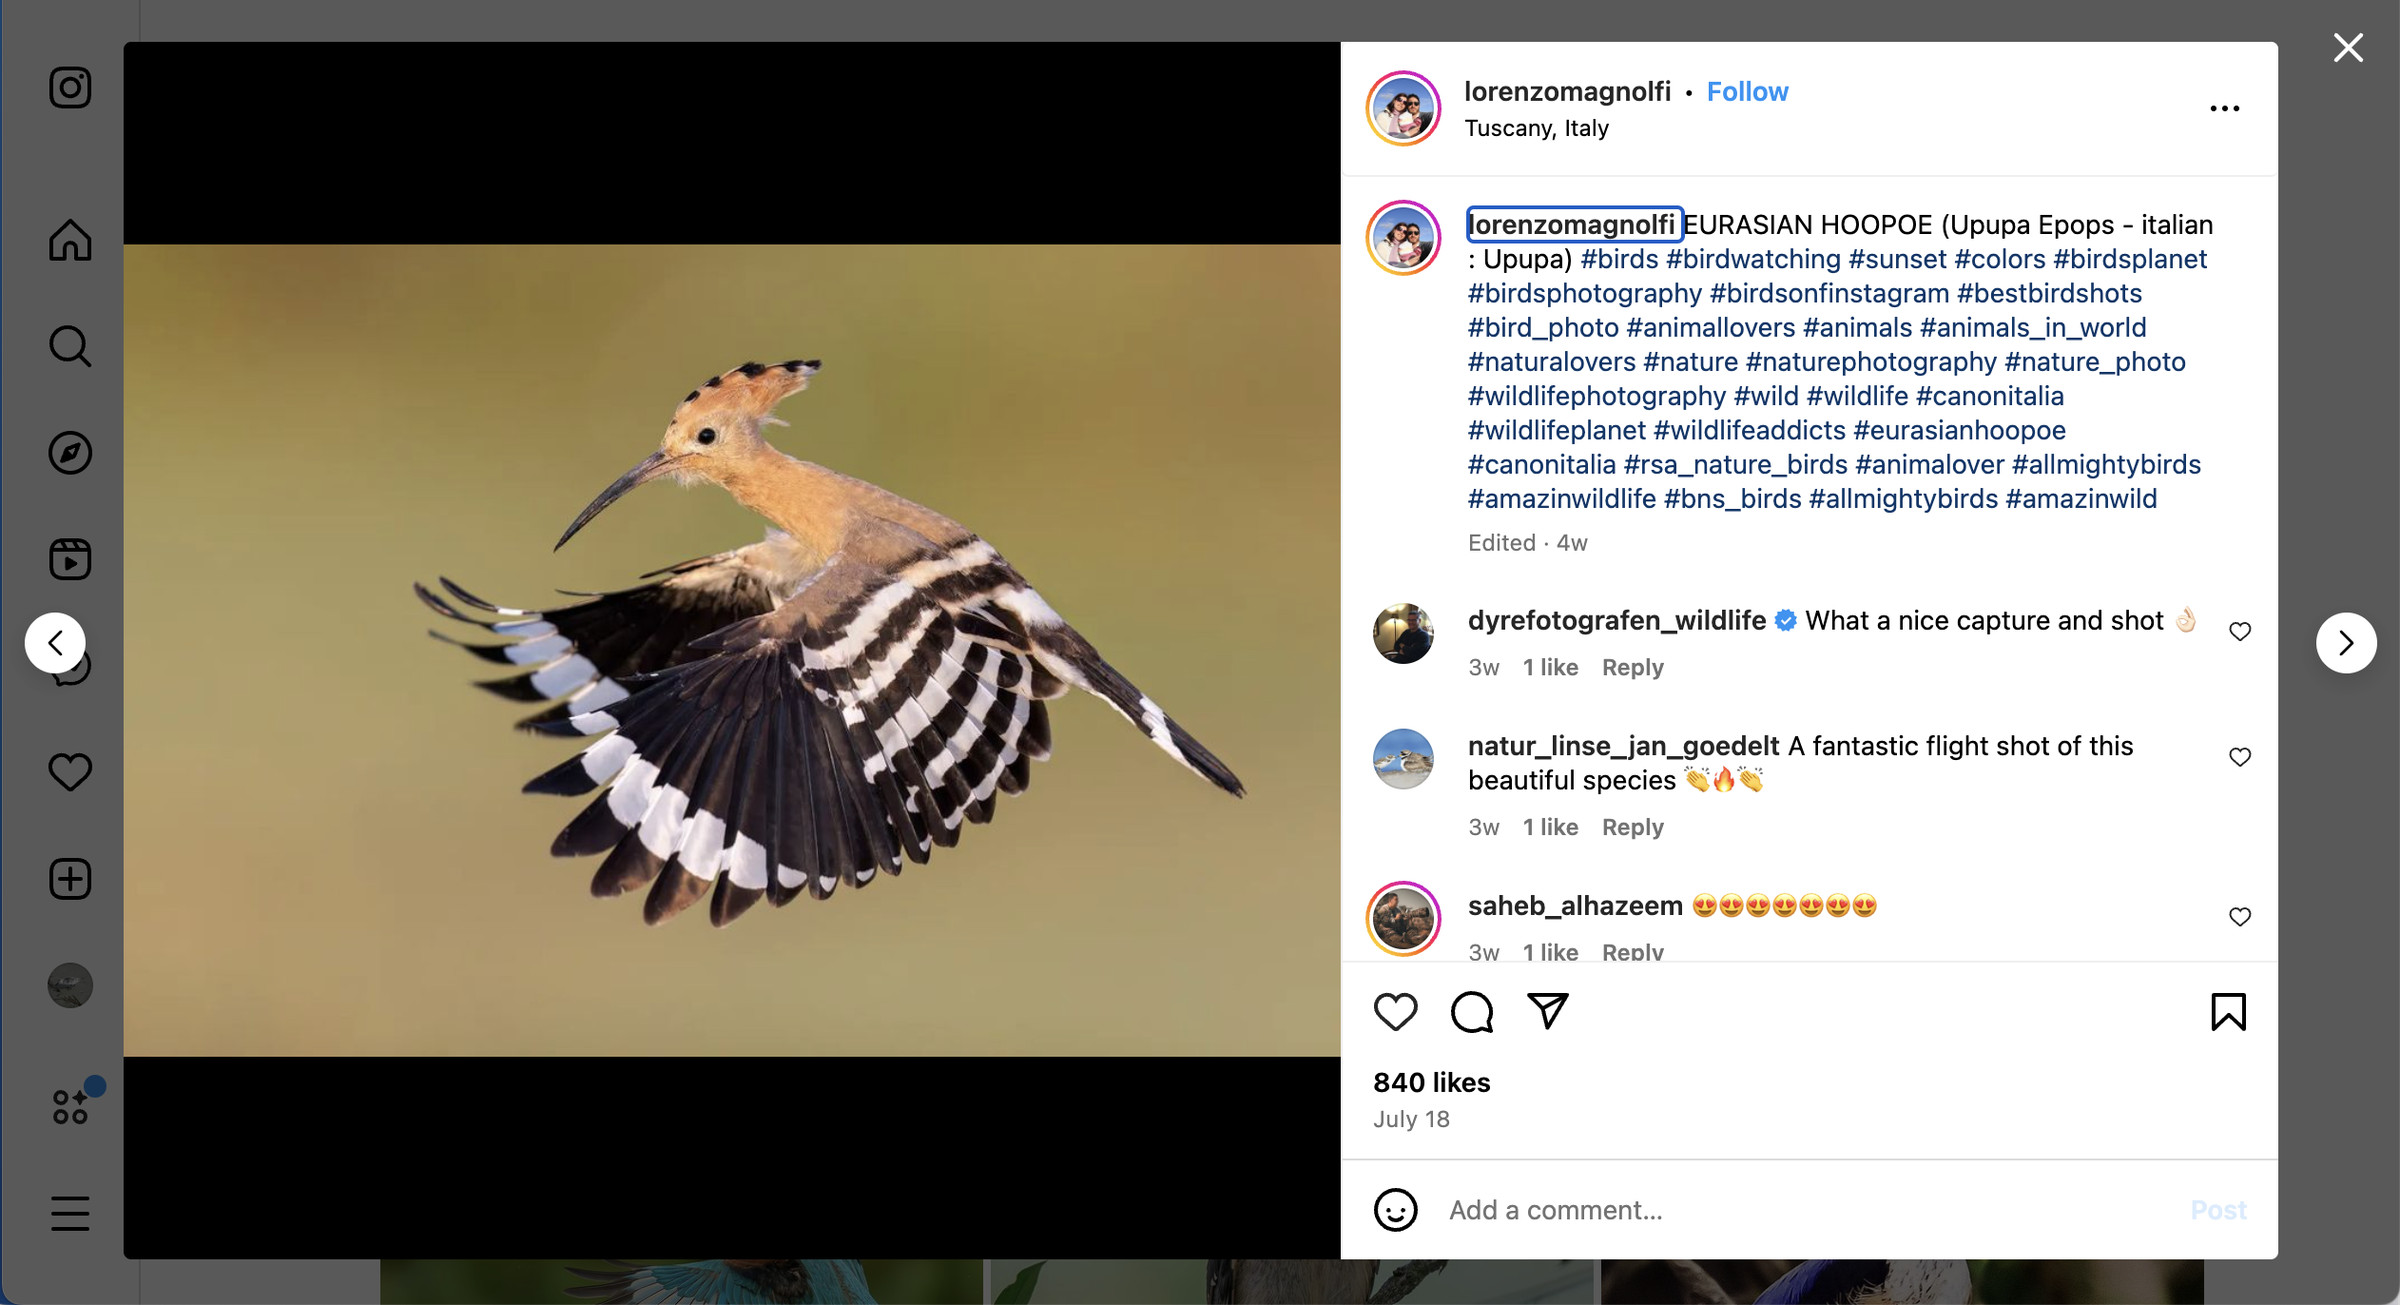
[[1901, 1282], [683, 1282], [1299, 1282], [832, 650]]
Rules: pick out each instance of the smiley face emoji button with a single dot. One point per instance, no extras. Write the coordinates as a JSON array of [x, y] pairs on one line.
[[1810, 904], [1837, 906], [1731, 905], [1758, 904], [1704, 906], [1785, 904], [1865, 905], [1395, 1209]]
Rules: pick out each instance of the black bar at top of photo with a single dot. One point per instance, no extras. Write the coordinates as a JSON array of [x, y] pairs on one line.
[[872, 1157], [728, 141]]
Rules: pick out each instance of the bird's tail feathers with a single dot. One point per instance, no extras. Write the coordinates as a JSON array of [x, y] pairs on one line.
[[1072, 658]]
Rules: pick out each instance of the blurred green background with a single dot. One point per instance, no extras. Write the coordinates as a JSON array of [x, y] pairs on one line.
[[508, 1282], [326, 849]]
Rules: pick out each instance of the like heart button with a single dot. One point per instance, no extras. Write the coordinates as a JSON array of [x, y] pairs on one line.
[[2240, 916], [70, 769], [1396, 1009]]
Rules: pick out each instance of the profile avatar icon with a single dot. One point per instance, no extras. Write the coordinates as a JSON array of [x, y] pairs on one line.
[[1403, 759], [1403, 633], [1404, 237], [70, 985], [1404, 108], [1404, 918]]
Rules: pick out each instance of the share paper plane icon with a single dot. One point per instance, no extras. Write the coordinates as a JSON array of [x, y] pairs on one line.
[[1549, 1004]]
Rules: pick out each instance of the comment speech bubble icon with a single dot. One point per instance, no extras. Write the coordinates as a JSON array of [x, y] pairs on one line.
[[1472, 1013]]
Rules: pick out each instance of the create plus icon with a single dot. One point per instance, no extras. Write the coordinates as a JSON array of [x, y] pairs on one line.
[[70, 878]]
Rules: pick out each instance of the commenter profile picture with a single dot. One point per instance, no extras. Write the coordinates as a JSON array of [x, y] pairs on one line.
[[1404, 108], [1403, 633], [1404, 237], [1403, 759], [1404, 917]]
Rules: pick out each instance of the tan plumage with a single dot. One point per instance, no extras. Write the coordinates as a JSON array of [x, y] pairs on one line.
[[808, 709]]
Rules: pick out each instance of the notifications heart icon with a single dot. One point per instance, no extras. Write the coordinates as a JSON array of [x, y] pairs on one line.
[[2240, 916], [2241, 756], [2240, 630], [1396, 1009], [70, 769]]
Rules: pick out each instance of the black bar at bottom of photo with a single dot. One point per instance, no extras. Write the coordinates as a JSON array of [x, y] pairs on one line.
[[371, 1158]]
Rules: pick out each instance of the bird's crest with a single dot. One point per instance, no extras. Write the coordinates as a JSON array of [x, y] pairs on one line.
[[751, 390]]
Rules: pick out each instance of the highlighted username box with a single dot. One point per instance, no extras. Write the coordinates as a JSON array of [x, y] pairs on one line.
[[1575, 224]]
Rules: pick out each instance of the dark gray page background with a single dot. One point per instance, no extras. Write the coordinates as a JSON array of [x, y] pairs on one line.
[[2340, 530]]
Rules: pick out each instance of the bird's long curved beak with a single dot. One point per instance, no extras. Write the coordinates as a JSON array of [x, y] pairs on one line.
[[644, 471]]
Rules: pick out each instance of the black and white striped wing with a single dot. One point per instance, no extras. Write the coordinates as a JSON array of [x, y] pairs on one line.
[[994, 605], [852, 729], [583, 652]]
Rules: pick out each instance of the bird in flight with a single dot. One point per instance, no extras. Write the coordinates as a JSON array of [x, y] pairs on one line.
[[803, 712]]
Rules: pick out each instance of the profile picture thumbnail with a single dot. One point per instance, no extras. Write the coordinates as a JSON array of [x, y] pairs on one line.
[[1404, 108], [70, 985], [1403, 633], [1404, 918], [1404, 237], [1403, 759]]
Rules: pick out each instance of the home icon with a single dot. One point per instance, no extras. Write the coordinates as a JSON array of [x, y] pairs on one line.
[[70, 242]]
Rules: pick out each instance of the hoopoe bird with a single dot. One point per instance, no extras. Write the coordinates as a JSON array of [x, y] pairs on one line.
[[803, 712]]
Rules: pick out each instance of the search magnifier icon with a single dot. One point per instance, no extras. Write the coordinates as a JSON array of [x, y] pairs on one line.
[[66, 345]]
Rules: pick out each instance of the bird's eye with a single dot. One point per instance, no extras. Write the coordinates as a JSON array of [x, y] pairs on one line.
[[708, 435]]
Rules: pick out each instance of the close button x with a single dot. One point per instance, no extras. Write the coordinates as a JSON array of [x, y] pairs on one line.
[[2349, 47]]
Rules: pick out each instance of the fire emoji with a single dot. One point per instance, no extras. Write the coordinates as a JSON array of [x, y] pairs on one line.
[[1725, 780]]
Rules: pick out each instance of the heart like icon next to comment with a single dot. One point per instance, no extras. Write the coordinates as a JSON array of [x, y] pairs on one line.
[[2240, 916], [70, 769], [1395, 1009], [2241, 756], [2240, 630]]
